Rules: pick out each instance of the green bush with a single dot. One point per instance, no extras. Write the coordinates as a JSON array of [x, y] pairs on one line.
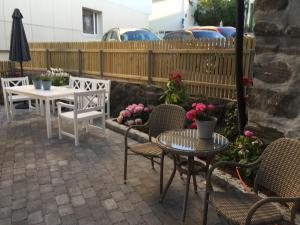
[[211, 12], [245, 149]]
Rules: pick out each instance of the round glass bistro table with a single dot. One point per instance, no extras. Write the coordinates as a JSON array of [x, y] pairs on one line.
[[184, 146]]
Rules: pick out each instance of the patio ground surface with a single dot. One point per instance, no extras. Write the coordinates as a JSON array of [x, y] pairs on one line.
[[53, 182]]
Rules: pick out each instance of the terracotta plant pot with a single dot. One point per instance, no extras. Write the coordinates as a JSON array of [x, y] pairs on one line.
[[206, 128]]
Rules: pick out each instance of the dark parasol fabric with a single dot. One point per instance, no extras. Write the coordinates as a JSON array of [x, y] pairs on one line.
[[19, 49]]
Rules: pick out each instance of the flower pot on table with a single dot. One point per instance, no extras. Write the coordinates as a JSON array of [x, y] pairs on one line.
[[46, 85], [37, 84], [206, 128]]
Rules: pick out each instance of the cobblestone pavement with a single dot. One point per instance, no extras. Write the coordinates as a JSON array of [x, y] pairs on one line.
[[53, 182]]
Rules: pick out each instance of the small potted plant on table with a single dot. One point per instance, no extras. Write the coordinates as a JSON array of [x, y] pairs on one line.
[[37, 82], [200, 117], [46, 81]]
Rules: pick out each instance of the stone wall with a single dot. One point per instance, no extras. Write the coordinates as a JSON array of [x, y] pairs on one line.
[[274, 102], [123, 94]]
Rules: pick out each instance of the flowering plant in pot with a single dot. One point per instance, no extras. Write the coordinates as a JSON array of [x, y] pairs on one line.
[[175, 92], [200, 117], [134, 114], [46, 81]]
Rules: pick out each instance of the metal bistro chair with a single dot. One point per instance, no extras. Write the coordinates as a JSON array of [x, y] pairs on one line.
[[85, 109], [278, 172], [163, 118]]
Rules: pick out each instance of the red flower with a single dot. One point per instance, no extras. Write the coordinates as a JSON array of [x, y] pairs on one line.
[[247, 81], [191, 114], [192, 125], [201, 107]]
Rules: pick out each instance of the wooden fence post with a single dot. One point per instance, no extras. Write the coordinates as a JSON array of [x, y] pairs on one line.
[[101, 64], [47, 58], [150, 66], [79, 58]]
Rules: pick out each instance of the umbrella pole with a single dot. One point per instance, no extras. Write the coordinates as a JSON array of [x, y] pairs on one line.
[[239, 64], [21, 68]]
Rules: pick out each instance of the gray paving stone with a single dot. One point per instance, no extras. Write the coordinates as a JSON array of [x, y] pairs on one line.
[[109, 204], [5, 221], [35, 217], [62, 199], [78, 201], [52, 219], [19, 215], [19, 203], [65, 210]]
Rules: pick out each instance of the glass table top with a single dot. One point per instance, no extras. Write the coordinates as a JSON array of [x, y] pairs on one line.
[[187, 142]]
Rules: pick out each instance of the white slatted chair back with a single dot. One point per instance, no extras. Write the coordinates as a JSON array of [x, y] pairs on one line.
[[89, 101], [15, 81]]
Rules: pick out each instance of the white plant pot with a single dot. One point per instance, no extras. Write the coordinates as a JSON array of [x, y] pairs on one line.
[[206, 128]]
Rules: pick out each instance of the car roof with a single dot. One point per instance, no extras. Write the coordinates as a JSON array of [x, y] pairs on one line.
[[213, 28], [124, 30]]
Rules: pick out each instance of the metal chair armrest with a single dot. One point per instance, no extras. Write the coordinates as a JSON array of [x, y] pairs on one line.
[[229, 164], [261, 202], [129, 128]]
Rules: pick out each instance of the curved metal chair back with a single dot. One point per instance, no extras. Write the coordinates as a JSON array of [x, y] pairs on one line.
[[165, 117], [279, 170]]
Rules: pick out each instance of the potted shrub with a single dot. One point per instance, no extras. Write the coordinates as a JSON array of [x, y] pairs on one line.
[[200, 117], [37, 82], [46, 81]]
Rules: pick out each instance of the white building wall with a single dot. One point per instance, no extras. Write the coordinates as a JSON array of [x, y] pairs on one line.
[[168, 15], [61, 20]]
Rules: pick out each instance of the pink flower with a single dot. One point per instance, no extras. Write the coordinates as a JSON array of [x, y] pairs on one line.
[[146, 109], [120, 119], [138, 109], [210, 106], [201, 107], [125, 113], [138, 121], [194, 104], [192, 125], [248, 133], [141, 105], [130, 122], [191, 114]]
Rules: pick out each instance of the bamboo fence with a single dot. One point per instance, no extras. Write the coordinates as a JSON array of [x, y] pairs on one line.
[[208, 66]]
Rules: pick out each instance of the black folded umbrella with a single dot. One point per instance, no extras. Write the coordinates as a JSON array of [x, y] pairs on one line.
[[19, 49]]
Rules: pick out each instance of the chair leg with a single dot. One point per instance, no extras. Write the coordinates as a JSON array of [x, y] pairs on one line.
[[125, 164], [205, 208], [103, 123], [53, 106], [195, 184], [161, 185], [169, 182], [152, 162], [76, 133], [186, 196], [59, 127]]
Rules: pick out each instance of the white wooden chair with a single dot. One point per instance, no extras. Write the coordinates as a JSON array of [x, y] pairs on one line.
[[87, 106], [89, 84], [12, 82]]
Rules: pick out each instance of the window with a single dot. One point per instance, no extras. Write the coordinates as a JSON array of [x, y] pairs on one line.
[[90, 21]]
